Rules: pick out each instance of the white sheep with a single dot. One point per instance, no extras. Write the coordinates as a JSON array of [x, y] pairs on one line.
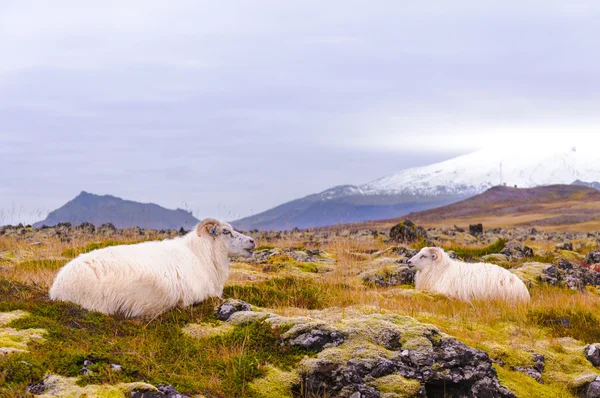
[[146, 279], [437, 272]]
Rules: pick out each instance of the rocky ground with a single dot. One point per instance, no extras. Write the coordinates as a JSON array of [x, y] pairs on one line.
[[324, 313]]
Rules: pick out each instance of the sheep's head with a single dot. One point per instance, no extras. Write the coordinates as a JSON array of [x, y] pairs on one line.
[[237, 244], [428, 256]]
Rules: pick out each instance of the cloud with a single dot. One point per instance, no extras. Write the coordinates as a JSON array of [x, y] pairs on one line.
[[236, 106]]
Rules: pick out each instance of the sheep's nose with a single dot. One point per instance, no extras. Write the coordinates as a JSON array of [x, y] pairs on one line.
[[408, 262], [253, 242]]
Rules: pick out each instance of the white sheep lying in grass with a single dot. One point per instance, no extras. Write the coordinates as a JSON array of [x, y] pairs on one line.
[[437, 272], [146, 279]]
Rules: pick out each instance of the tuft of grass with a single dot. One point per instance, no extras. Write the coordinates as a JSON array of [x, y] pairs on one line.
[[43, 264], [282, 292], [76, 251], [156, 352], [578, 323], [476, 252]]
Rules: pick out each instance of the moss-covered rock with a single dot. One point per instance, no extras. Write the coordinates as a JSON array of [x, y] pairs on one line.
[[386, 276], [16, 340], [54, 386], [494, 258], [531, 272], [396, 386]]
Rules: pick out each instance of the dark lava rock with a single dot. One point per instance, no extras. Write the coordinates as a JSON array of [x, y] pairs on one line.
[[453, 368], [572, 275], [476, 229], [404, 252], [593, 257], [317, 339], [458, 229], [229, 307], [399, 275], [337, 380], [449, 369], [592, 354], [87, 227], [407, 232], [592, 390], [536, 370], [516, 250], [164, 391], [565, 246]]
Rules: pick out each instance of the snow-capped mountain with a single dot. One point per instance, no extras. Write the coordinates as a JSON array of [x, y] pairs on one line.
[[442, 183], [474, 173]]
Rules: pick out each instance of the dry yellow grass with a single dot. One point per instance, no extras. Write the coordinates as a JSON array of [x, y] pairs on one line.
[[508, 333]]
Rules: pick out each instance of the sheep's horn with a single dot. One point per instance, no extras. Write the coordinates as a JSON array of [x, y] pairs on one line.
[[209, 225]]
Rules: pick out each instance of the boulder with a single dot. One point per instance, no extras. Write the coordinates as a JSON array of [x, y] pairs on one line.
[[390, 276], [229, 307], [565, 273], [516, 250], [565, 246], [407, 232], [592, 257], [476, 229], [366, 355], [536, 370], [592, 354]]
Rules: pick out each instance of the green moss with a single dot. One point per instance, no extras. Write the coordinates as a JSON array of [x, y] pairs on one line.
[[275, 384], [263, 248], [398, 385], [19, 369], [315, 268], [531, 271], [524, 386], [206, 330]]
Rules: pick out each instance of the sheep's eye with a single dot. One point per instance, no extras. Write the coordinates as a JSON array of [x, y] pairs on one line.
[[423, 256], [226, 232]]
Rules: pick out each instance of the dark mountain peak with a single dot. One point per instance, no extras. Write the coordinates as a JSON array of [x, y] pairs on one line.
[[100, 209], [593, 184]]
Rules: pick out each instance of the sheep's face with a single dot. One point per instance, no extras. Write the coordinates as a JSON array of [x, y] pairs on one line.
[[237, 244], [427, 257]]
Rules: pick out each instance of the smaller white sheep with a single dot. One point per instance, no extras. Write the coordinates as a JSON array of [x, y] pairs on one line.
[[438, 273], [146, 279]]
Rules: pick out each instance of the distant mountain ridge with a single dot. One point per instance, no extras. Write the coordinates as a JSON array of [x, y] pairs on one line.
[[101, 209], [421, 188], [574, 207]]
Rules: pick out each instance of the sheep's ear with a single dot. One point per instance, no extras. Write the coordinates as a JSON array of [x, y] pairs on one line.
[[209, 227], [434, 256]]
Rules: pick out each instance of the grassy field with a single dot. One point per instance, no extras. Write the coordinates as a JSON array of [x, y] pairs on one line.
[[230, 364]]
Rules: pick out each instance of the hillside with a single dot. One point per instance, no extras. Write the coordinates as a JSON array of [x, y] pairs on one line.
[[572, 207], [101, 209], [312, 314]]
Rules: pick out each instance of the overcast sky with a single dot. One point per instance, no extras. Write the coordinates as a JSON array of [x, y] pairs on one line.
[[229, 108]]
